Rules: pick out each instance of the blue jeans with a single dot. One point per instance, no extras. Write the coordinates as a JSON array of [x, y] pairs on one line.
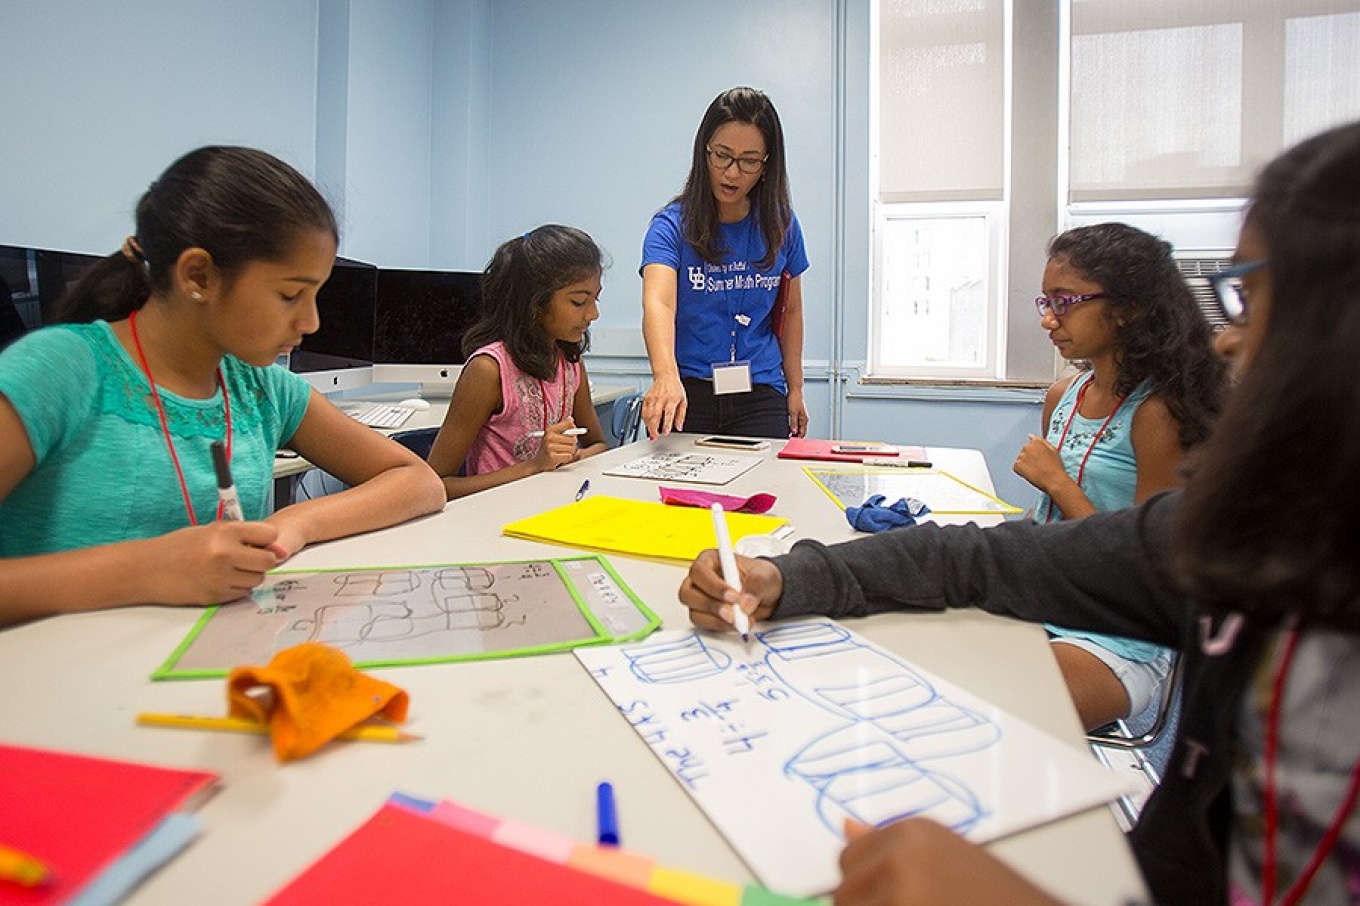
[[763, 412]]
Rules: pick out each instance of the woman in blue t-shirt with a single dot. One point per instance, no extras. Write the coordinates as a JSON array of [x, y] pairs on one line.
[[722, 297]]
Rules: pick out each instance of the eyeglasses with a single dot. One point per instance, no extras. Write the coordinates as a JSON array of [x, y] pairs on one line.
[[721, 160], [1061, 305], [1229, 292]]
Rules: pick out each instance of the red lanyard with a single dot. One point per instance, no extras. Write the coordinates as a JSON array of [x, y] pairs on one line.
[[1294, 894], [165, 428], [1081, 469]]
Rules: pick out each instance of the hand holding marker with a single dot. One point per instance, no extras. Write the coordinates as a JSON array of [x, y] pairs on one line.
[[729, 569], [228, 501]]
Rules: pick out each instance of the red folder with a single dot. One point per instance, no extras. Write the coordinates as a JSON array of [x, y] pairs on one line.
[[79, 815], [807, 448]]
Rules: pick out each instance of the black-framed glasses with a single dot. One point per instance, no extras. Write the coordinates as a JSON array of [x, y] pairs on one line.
[[1061, 305], [721, 160], [1229, 292]]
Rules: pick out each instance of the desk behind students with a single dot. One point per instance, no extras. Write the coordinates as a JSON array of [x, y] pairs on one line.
[[525, 738]]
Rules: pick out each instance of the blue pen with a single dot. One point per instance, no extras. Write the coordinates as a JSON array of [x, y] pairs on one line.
[[585, 486], [607, 817]]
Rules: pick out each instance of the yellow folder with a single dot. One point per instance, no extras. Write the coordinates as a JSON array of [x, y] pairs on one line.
[[638, 527]]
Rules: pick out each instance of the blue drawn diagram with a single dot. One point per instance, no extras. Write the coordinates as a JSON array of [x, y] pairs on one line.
[[886, 753]]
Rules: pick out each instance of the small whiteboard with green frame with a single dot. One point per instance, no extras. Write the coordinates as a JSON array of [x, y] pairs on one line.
[[942, 492], [391, 616]]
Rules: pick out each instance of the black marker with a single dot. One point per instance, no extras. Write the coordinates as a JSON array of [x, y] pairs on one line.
[[228, 502]]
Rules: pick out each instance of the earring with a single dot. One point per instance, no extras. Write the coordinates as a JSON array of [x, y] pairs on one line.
[[196, 296]]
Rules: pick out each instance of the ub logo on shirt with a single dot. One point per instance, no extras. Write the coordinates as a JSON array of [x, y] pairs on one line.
[[696, 279]]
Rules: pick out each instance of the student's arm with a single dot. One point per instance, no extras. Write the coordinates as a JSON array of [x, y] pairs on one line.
[[1103, 573], [664, 405], [389, 483], [476, 397], [200, 565], [584, 416], [791, 347], [1040, 464], [1157, 448], [920, 861]]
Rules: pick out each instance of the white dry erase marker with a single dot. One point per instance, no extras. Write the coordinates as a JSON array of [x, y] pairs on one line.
[[228, 502], [729, 569], [570, 432]]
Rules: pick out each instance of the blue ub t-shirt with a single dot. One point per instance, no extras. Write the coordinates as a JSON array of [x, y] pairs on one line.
[[711, 295]]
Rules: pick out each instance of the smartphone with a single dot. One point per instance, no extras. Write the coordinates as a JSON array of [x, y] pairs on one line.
[[866, 449], [733, 443]]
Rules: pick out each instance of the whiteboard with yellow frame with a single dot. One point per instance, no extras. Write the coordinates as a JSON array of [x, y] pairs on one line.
[[939, 490]]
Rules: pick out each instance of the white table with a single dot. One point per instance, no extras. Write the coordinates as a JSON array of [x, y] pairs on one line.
[[524, 738]]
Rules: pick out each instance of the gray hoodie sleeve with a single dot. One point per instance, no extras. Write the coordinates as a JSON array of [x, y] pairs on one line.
[[1101, 573]]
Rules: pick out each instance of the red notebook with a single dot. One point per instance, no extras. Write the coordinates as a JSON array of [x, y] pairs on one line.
[[79, 815], [399, 856], [807, 448]]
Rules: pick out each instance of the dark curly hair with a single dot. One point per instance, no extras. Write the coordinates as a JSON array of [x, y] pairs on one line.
[[1268, 523], [1160, 333], [517, 286]]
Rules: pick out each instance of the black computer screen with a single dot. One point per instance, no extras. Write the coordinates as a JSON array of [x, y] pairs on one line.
[[346, 305], [422, 316], [58, 272]]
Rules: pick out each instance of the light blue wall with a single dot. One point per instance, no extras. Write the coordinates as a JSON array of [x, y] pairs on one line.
[[99, 97], [439, 128]]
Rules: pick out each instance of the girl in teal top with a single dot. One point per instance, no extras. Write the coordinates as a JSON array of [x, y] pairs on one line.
[[1146, 391], [107, 488]]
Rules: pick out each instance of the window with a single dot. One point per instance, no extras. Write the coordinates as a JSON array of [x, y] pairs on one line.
[[996, 124]]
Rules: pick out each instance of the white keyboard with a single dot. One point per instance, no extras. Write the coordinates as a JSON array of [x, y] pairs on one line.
[[383, 415]]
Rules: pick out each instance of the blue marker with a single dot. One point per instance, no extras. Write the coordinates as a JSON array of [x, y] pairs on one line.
[[585, 486], [606, 815]]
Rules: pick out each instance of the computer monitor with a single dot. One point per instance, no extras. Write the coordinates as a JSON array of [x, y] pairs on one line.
[[19, 308], [57, 272], [422, 316], [339, 355]]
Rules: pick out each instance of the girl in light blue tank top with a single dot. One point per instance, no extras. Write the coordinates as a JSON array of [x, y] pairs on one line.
[[1149, 385]]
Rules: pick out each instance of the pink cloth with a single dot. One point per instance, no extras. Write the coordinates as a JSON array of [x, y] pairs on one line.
[[756, 503], [504, 440]]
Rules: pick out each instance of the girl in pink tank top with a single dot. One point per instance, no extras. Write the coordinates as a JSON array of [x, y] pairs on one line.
[[522, 404]]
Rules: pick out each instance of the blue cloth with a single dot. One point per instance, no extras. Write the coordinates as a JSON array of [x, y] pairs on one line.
[[872, 516], [103, 472], [709, 295]]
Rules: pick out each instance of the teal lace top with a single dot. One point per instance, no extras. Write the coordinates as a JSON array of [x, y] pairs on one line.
[[103, 471]]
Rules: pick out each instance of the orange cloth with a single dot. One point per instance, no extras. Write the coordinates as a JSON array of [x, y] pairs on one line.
[[317, 695]]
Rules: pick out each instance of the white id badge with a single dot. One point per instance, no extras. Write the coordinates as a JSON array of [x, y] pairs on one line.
[[731, 377]]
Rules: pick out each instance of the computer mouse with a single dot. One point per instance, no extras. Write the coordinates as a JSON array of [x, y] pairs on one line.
[[416, 403]]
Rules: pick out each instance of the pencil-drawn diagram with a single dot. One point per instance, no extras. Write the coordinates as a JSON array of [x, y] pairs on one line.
[[401, 615], [816, 724], [698, 468]]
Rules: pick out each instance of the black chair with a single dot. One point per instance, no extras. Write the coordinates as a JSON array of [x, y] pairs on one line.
[[417, 440], [627, 418]]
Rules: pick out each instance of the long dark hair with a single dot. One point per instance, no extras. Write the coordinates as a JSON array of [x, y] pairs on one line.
[[517, 286], [769, 196], [1269, 520], [1160, 334], [238, 204]]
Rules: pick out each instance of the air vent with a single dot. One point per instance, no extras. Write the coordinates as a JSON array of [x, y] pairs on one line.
[[1195, 266]]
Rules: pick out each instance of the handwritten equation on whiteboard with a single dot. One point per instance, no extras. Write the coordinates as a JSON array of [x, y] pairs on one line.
[[780, 741]]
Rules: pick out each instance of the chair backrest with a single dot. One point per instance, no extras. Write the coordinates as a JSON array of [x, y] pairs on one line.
[[417, 440], [627, 418]]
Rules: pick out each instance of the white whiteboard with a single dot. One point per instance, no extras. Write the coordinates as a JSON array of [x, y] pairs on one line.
[[780, 741]]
